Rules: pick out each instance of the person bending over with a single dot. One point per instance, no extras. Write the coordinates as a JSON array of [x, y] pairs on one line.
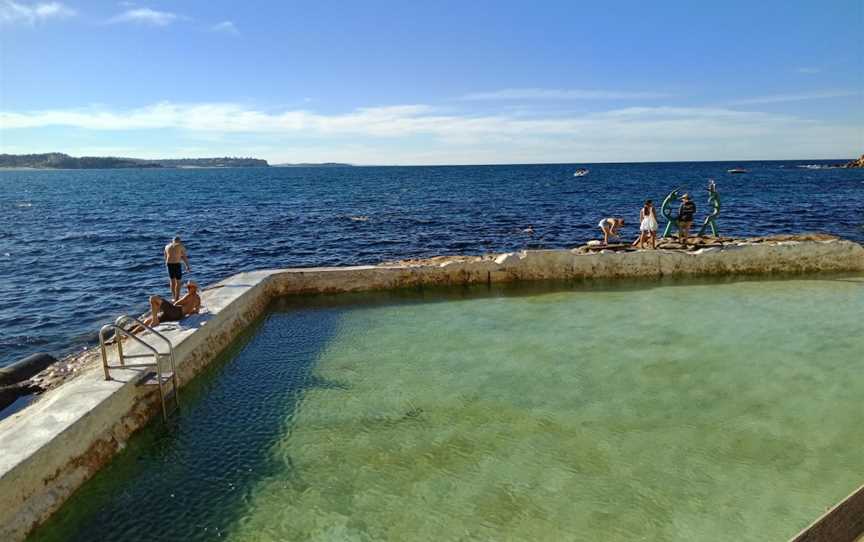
[[162, 310], [610, 228]]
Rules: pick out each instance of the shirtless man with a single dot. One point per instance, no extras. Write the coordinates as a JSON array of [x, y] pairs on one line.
[[162, 310], [175, 252]]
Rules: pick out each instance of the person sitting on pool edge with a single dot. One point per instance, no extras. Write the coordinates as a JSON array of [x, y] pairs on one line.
[[162, 310], [610, 227]]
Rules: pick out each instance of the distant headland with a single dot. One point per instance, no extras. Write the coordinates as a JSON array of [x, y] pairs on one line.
[[58, 160]]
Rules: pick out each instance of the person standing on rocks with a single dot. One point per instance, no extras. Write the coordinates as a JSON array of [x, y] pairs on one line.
[[647, 226], [175, 252], [686, 212]]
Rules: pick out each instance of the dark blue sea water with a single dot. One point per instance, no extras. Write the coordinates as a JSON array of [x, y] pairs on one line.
[[78, 248]]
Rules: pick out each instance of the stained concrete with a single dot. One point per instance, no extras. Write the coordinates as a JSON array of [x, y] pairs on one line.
[[843, 523], [50, 448]]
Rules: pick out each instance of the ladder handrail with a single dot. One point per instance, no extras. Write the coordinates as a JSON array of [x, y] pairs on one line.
[[122, 319], [117, 326], [125, 317], [125, 333]]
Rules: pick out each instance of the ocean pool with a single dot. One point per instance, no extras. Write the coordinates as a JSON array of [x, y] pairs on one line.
[[673, 410]]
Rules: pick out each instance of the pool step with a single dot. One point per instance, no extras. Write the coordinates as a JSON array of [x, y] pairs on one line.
[[131, 356], [167, 391], [152, 379]]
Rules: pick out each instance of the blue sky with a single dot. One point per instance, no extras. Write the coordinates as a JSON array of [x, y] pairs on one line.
[[398, 82]]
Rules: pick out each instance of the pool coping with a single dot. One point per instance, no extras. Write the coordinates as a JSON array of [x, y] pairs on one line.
[[844, 522], [53, 446]]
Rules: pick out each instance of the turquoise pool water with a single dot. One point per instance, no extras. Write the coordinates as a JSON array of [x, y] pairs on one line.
[[618, 411]]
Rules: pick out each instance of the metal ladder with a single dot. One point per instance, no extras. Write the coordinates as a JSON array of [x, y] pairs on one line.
[[161, 377]]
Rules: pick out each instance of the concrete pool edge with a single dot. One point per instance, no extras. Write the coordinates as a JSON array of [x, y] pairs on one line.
[[842, 523], [54, 446]]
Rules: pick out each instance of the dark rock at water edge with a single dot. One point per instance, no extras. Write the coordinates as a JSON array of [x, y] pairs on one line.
[[10, 394], [855, 164], [23, 369]]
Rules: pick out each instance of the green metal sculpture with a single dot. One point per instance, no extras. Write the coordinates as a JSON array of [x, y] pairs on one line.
[[666, 210], [714, 202], [710, 220]]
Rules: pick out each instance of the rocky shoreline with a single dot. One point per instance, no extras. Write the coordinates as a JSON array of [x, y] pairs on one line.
[[855, 164], [663, 243]]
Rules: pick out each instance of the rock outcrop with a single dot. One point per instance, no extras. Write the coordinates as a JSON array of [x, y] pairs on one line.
[[859, 163]]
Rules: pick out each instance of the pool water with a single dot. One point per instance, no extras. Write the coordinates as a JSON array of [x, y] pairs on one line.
[[709, 410]]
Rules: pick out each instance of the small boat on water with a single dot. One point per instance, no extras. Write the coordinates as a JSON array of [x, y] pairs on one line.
[[581, 172], [737, 170]]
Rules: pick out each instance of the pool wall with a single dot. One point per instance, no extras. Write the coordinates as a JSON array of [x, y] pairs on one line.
[[842, 523], [52, 447]]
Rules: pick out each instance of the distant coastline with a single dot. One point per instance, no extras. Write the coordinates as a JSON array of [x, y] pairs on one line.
[[58, 160]]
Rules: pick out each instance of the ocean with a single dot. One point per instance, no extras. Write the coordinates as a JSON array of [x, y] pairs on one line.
[[80, 247]]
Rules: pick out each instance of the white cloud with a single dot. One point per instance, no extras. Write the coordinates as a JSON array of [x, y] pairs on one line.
[[405, 121], [145, 16], [227, 27], [422, 134], [13, 12], [780, 98], [808, 70], [561, 94]]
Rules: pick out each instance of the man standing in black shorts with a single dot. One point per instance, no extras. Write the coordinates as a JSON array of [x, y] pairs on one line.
[[685, 218], [175, 253]]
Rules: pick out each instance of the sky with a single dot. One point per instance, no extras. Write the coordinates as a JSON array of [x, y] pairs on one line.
[[441, 82]]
